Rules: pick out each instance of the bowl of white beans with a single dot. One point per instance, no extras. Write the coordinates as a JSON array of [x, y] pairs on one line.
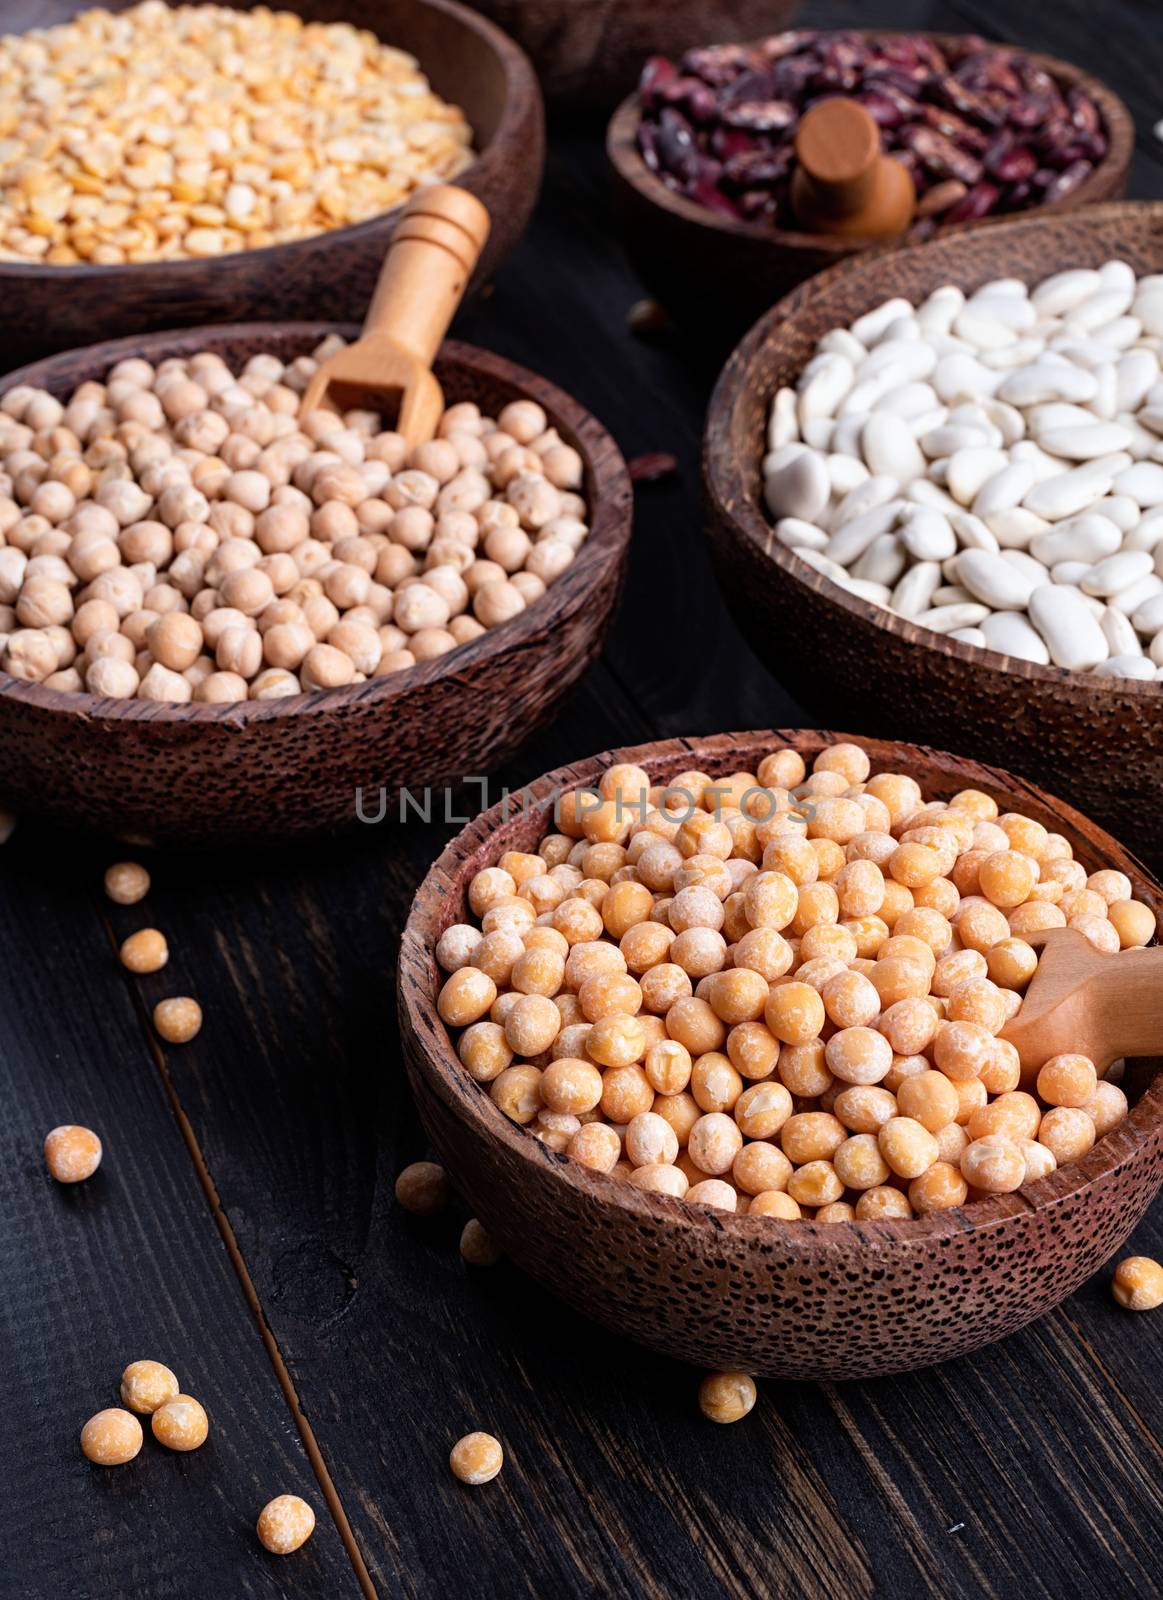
[[934, 491], [226, 621], [690, 1082]]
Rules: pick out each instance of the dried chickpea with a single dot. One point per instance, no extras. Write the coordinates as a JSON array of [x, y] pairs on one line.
[[1137, 1284], [726, 1396], [423, 1188], [72, 1153]]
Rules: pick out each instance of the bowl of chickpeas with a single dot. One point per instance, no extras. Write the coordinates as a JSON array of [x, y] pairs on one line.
[[226, 621], [712, 1037], [227, 162]]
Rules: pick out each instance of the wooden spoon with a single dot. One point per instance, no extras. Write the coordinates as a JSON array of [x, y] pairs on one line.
[[430, 259], [1084, 1001]]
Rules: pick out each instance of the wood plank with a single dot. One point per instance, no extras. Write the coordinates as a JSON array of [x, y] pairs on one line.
[[129, 1264]]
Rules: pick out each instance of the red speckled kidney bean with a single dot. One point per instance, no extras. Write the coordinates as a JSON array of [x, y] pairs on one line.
[[981, 128]]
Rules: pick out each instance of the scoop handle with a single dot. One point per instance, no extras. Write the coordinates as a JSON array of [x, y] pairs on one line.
[[433, 251], [1126, 1003]]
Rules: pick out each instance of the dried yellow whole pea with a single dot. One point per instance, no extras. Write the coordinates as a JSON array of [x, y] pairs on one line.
[[727, 1396], [476, 1247], [72, 1153], [1138, 1283], [145, 951], [285, 1524], [177, 1019], [995, 1164], [477, 1458], [180, 1424], [126, 882], [145, 1385], [111, 1438], [1067, 1080], [423, 1188]]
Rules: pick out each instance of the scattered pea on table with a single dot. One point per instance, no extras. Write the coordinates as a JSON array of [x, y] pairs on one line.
[[477, 1458], [285, 1524], [72, 1153]]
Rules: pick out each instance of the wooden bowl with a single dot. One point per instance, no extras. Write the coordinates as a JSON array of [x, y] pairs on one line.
[[329, 276], [267, 771], [787, 1299], [588, 53], [1098, 741], [718, 274]]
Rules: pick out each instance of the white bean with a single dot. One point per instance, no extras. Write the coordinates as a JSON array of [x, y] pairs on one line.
[[1010, 634], [991, 579], [1139, 666], [1117, 573], [945, 619], [990, 465], [1072, 633]]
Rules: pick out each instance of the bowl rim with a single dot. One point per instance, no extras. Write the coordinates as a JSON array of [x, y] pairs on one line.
[[436, 902], [520, 80], [624, 156], [727, 483], [611, 520]]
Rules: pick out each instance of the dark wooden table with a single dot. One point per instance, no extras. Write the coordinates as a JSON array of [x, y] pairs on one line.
[[243, 1228]]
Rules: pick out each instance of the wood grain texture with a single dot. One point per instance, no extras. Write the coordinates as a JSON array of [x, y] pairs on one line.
[[123, 1266], [716, 274], [788, 1300], [279, 769], [588, 53], [1096, 741], [330, 276]]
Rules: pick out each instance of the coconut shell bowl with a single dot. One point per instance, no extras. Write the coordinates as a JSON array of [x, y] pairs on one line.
[[787, 1299], [271, 771], [469, 62], [1097, 741], [716, 273], [588, 53]]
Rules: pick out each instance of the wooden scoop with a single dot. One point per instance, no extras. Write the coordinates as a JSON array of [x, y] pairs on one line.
[[842, 182], [1082, 1001], [430, 259]]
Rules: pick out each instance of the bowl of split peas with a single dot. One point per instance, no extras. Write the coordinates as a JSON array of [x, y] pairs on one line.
[[156, 738], [889, 1259], [269, 183]]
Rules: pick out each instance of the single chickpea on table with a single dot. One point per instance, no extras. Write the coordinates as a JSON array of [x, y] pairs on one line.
[[181, 533], [783, 992]]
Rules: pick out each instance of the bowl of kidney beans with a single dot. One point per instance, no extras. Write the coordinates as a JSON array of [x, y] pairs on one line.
[[703, 153]]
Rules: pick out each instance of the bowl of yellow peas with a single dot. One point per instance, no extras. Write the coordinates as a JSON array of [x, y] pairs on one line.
[[712, 1035], [176, 164]]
